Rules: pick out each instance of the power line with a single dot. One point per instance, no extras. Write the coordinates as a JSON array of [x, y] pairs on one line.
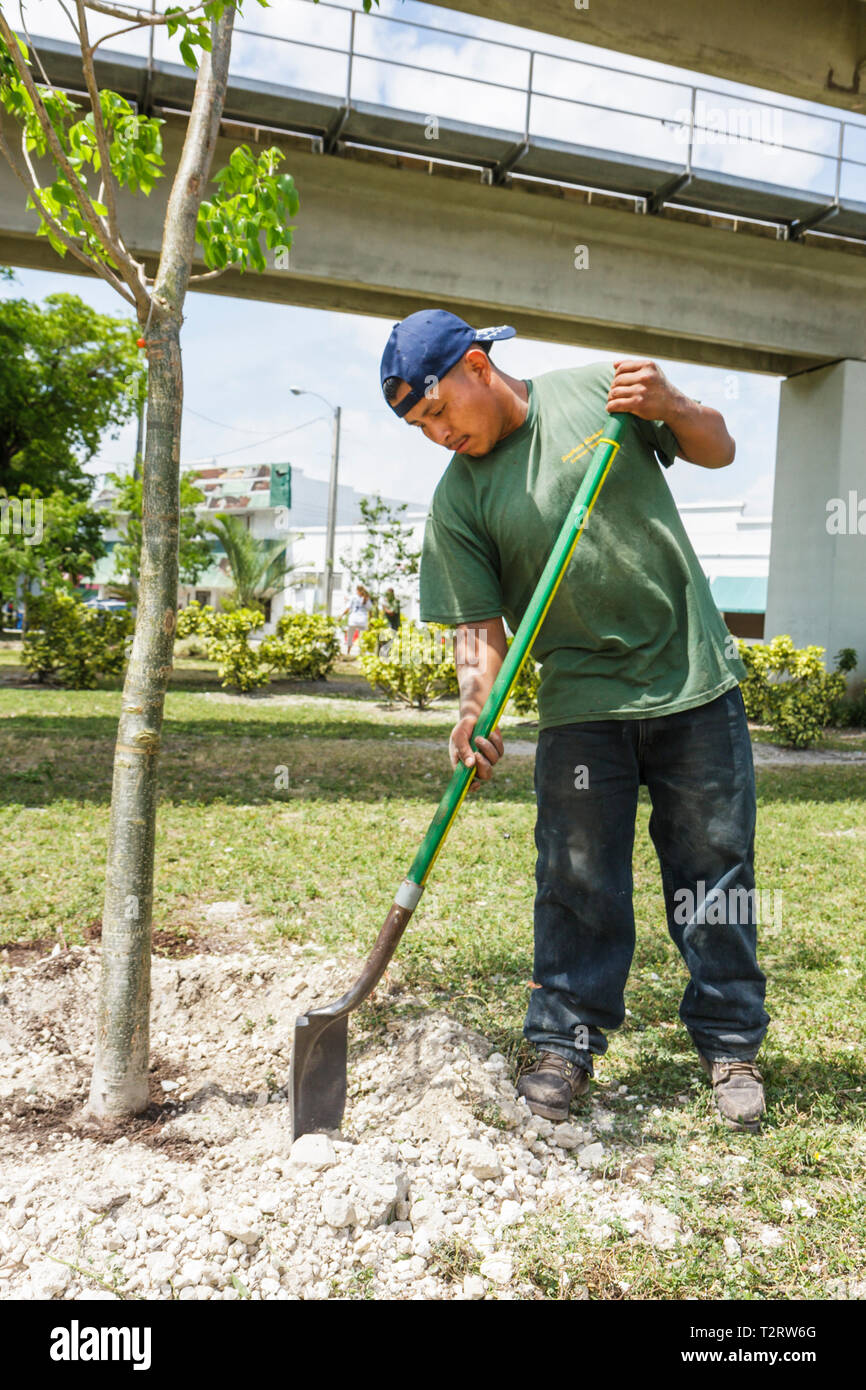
[[279, 435], [123, 463], [239, 429]]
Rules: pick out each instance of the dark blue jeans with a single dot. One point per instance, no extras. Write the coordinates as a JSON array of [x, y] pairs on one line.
[[697, 766]]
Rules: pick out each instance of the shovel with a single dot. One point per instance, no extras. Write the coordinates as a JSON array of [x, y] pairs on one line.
[[320, 1055]]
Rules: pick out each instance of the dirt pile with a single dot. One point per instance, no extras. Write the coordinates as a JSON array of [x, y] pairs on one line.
[[439, 1166]]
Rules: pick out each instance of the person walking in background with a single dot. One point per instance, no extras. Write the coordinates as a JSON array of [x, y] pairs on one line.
[[358, 616], [391, 609]]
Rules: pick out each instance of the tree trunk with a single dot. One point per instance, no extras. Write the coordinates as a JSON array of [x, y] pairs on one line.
[[119, 1085]]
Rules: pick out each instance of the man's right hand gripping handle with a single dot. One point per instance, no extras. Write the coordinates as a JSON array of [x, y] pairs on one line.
[[479, 651]]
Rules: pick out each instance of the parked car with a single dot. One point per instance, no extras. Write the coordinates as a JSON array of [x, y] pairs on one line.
[[107, 605]]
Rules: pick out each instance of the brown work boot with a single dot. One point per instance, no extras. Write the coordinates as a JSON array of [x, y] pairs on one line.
[[551, 1084], [738, 1090]]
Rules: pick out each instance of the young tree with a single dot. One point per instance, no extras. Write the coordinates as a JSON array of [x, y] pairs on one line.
[[388, 554], [67, 374], [93, 157]]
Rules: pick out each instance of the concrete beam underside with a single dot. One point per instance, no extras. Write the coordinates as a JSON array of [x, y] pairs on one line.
[[379, 240]]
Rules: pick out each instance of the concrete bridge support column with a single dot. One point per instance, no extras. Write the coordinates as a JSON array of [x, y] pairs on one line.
[[817, 585]]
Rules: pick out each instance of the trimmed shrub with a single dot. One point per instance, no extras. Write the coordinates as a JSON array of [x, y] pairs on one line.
[[305, 646], [226, 640], [789, 689], [73, 644], [524, 696], [194, 621], [413, 665], [238, 664]]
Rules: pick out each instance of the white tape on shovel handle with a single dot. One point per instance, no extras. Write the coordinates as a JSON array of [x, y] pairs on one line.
[[408, 894]]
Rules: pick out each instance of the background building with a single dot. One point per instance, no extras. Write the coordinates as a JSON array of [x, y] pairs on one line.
[[734, 550], [274, 500]]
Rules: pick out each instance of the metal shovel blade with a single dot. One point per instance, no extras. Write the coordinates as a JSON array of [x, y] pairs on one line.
[[321, 1051], [319, 1069]]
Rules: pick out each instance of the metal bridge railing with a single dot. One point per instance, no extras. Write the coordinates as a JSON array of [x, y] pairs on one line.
[[371, 39]]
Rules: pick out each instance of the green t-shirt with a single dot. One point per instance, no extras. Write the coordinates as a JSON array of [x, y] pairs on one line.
[[633, 630]]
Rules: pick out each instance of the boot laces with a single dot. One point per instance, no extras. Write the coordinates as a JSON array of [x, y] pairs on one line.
[[738, 1067], [552, 1061]]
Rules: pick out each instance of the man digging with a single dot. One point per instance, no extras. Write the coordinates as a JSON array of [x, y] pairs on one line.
[[639, 684]]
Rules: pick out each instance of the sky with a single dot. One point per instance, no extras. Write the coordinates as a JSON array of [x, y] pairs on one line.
[[241, 357]]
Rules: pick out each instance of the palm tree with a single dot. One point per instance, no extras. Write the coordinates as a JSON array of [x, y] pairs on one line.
[[257, 566]]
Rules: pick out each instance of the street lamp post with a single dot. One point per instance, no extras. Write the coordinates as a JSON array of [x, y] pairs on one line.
[[332, 494]]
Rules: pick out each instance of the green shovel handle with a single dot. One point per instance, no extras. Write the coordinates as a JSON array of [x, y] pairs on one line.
[[494, 706]]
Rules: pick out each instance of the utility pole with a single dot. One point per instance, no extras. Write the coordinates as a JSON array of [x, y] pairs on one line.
[[332, 493], [139, 440]]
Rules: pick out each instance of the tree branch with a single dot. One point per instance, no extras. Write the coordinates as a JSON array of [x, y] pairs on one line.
[[140, 17], [30, 41], [31, 185], [115, 33], [109, 185], [69, 17], [187, 190], [109, 244], [209, 275]]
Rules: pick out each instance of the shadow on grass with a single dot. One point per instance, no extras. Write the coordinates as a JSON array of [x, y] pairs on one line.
[[282, 724], [277, 774]]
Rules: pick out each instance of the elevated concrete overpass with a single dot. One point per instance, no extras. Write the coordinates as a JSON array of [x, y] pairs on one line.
[[381, 236], [384, 232], [551, 120]]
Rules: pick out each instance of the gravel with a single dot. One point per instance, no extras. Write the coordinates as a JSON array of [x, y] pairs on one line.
[[204, 1196]]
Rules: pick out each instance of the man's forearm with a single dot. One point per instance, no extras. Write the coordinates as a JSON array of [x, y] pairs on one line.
[[479, 651], [701, 433]]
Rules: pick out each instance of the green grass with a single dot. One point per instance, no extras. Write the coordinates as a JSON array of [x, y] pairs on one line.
[[320, 859]]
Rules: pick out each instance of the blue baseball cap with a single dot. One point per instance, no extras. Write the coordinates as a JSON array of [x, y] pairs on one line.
[[426, 345]]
